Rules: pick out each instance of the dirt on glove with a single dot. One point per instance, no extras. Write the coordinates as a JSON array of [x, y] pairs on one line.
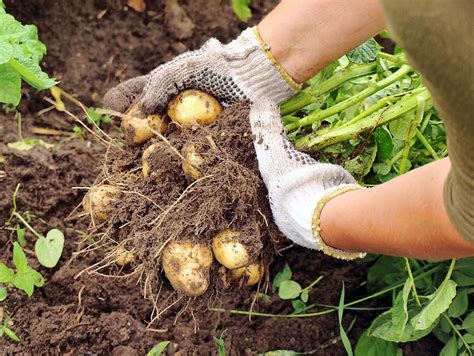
[[167, 206]]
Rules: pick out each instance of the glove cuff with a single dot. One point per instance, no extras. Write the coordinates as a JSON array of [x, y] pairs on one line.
[[316, 224], [256, 70]]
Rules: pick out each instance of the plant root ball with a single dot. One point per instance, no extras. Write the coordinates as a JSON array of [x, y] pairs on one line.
[[229, 251], [100, 201], [193, 107], [147, 164], [253, 273], [138, 128], [186, 265], [123, 257], [192, 163]]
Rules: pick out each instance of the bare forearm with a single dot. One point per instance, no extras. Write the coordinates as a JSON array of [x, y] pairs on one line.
[[403, 217], [306, 35]]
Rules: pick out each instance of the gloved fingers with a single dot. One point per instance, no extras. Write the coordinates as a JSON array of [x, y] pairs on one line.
[[121, 97]]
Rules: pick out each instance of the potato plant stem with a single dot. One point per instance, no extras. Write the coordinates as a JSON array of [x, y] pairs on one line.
[[316, 141], [343, 105], [310, 94], [24, 222]]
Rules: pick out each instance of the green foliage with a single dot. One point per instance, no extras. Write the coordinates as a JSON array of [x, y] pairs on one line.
[[158, 349], [220, 344], [372, 346], [24, 277], [21, 52], [50, 248], [291, 290], [4, 329], [365, 53], [95, 118], [28, 144], [241, 9]]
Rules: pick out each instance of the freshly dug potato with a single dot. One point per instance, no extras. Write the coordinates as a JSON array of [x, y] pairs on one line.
[[186, 265], [137, 127], [193, 107], [123, 257], [229, 251], [146, 164], [253, 273], [100, 200], [192, 163]]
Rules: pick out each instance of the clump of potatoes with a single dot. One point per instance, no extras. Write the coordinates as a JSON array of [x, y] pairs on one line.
[[186, 263]]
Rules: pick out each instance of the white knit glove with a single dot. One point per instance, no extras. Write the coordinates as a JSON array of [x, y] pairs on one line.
[[298, 186]]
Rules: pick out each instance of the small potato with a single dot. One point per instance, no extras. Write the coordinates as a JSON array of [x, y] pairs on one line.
[[146, 164], [229, 251], [253, 273], [100, 201], [138, 128], [186, 265], [194, 107], [191, 166], [123, 257]]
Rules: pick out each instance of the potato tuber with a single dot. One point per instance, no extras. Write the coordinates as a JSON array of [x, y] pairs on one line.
[[100, 201], [139, 128], [229, 251], [192, 163], [253, 273]]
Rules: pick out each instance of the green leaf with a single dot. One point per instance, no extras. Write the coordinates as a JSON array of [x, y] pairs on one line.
[[400, 309], [158, 349], [6, 51], [373, 346], [468, 323], [462, 279], [459, 305], [284, 275], [6, 274], [3, 294], [219, 341], [384, 144], [304, 295], [27, 144], [11, 334], [364, 53], [20, 235], [19, 257], [280, 353], [289, 290], [361, 165], [298, 306], [342, 332], [49, 249], [10, 85], [31, 73], [438, 304], [451, 348], [242, 10], [27, 279]]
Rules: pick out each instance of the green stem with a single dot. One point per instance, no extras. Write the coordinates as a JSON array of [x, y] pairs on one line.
[[314, 283], [392, 58], [410, 275], [427, 145], [420, 110], [372, 89], [456, 331], [405, 105], [24, 222], [310, 94], [20, 131]]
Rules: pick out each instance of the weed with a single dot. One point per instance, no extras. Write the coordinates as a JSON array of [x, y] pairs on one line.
[[158, 349]]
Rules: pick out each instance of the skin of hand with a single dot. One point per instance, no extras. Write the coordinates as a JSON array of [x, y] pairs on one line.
[[403, 217]]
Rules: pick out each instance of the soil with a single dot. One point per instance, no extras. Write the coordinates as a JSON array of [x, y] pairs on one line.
[[93, 45]]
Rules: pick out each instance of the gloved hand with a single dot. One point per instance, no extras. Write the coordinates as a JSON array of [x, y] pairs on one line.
[[298, 186]]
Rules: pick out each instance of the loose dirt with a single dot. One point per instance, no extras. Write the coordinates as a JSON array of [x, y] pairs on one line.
[[93, 45]]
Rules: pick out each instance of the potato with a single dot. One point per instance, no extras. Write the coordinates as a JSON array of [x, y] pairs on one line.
[[193, 107], [137, 127], [146, 164], [253, 273], [229, 251], [100, 201], [123, 257], [186, 265], [191, 166]]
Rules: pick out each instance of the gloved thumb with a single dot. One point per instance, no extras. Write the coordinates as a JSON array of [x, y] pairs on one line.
[[121, 97]]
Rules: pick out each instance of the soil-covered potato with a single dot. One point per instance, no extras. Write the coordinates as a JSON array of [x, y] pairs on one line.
[[192, 163], [186, 265], [100, 201], [147, 157], [139, 128], [252, 273], [194, 107], [123, 257], [229, 251]]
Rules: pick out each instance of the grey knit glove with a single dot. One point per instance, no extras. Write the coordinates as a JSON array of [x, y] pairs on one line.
[[298, 186], [238, 71]]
